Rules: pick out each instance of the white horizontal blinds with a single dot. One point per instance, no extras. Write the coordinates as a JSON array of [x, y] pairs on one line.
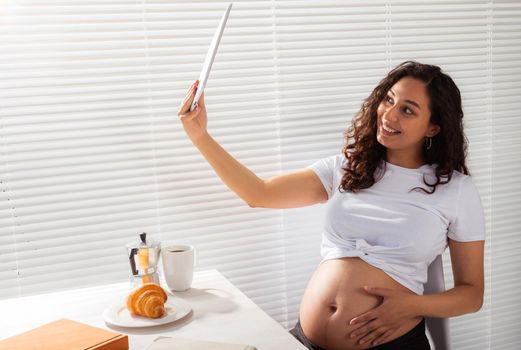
[[77, 141], [454, 35], [245, 244], [506, 167], [91, 136], [92, 152], [330, 55], [8, 270]]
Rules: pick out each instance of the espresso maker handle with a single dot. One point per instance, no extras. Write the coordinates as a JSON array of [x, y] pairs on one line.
[[133, 252]]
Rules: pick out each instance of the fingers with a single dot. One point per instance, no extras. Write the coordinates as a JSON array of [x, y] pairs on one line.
[[201, 100], [187, 102], [371, 332], [368, 316], [383, 338], [378, 291], [190, 115], [361, 331], [371, 336]]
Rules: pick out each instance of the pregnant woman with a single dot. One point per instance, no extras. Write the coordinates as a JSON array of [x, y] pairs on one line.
[[397, 195]]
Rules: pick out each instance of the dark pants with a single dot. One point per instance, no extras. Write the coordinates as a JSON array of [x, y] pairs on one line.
[[415, 339]]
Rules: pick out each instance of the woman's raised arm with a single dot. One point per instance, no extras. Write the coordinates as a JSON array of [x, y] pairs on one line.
[[295, 189]]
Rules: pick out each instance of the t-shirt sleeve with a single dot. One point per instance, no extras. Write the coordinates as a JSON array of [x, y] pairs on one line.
[[469, 222], [329, 171]]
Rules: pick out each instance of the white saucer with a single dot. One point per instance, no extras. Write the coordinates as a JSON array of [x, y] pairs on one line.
[[118, 315]]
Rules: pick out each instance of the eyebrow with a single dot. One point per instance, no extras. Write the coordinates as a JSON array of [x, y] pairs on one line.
[[408, 101]]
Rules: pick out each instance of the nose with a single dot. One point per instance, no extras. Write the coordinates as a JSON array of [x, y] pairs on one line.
[[391, 113]]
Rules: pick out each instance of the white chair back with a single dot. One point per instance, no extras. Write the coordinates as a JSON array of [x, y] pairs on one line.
[[438, 327]]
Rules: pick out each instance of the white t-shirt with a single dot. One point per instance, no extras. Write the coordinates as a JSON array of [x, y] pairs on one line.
[[396, 230]]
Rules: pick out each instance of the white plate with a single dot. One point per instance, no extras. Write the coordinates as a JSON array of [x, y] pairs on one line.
[[118, 315]]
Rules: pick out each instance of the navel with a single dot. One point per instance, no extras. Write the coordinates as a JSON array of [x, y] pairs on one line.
[[332, 308]]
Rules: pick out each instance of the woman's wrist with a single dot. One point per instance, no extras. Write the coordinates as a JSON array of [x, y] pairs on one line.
[[201, 139], [416, 305]]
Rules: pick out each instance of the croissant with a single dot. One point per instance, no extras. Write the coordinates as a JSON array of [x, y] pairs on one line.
[[148, 300]]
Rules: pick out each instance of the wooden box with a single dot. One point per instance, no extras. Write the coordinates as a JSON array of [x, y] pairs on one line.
[[66, 334]]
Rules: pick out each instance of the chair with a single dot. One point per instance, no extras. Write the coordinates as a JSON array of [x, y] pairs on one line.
[[438, 327]]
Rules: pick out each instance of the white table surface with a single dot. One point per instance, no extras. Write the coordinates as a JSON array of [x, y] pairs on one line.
[[220, 312]]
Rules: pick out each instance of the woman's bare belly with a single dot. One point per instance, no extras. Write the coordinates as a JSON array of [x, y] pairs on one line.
[[335, 295]]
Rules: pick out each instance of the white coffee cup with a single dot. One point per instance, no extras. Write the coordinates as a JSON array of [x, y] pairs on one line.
[[178, 266]]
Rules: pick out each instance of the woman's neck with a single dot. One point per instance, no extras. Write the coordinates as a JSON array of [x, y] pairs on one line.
[[405, 160]]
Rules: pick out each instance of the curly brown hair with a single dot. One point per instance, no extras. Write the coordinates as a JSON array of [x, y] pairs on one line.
[[449, 146]]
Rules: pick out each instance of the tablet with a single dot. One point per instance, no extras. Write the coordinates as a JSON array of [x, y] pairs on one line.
[[207, 66]]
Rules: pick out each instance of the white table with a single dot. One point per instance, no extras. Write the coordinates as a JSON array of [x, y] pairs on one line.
[[221, 312]]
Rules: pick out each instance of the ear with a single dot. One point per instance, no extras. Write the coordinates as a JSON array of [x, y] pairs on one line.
[[433, 130]]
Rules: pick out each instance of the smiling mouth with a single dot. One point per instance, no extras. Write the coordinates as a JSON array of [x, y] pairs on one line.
[[389, 131]]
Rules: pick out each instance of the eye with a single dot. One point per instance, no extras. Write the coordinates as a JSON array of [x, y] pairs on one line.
[[407, 110], [389, 99]]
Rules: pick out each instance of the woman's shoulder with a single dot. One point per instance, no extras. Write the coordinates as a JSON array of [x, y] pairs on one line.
[[462, 186], [334, 161], [456, 177], [466, 183], [340, 159], [329, 170], [461, 179]]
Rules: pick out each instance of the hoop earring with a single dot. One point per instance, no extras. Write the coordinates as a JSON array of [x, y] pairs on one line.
[[428, 143]]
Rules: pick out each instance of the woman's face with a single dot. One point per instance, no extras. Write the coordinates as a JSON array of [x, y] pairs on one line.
[[404, 120]]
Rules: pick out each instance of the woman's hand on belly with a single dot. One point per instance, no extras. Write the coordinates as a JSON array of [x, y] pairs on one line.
[[377, 325], [335, 295]]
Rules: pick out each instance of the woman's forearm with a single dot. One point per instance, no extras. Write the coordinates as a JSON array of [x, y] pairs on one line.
[[457, 301], [236, 176]]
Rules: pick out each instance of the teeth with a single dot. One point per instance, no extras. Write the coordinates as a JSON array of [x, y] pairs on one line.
[[390, 130]]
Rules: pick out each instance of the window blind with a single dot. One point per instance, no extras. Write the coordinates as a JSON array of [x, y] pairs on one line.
[[77, 142], [92, 152], [505, 275]]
